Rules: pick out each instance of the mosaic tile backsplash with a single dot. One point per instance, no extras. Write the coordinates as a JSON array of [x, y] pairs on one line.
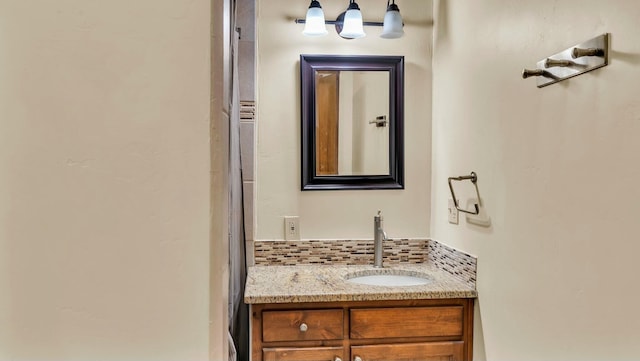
[[354, 252], [459, 264]]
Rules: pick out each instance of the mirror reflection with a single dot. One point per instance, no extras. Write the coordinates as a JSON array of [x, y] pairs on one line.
[[352, 132]]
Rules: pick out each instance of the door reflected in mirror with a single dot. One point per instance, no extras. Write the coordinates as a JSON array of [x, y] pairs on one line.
[[352, 122], [354, 140]]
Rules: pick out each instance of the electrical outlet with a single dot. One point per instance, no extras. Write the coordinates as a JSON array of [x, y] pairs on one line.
[[291, 228], [453, 212]]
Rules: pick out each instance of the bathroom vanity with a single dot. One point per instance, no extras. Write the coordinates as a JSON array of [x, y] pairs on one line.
[[364, 331], [313, 312]]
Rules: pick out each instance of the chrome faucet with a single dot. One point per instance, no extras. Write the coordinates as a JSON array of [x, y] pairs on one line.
[[379, 236]]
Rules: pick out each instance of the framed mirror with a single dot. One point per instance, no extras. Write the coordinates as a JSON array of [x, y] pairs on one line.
[[352, 122]]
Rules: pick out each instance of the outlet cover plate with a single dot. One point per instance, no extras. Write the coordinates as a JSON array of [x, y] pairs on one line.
[[292, 228], [453, 212]]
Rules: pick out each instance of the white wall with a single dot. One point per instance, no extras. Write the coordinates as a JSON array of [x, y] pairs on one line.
[[337, 214], [370, 101], [219, 185], [558, 172], [104, 180], [363, 148], [345, 123]]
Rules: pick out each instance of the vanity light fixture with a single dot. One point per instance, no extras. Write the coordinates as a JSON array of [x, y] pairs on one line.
[[392, 26], [314, 24], [352, 25], [349, 24]]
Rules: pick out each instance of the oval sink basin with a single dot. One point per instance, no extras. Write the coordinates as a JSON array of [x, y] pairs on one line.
[[389, 280]]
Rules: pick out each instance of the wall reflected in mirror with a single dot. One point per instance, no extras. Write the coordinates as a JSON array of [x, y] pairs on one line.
[[352, 132]]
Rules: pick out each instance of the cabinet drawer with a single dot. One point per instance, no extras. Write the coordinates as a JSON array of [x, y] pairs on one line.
[[303, 353], [406, 322], [426, 351], [306, 325]]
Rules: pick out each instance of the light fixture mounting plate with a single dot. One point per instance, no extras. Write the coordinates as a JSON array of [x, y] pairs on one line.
[[340, 24]]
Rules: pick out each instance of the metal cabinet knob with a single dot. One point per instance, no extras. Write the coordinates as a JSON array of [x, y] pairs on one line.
[[337, 359], [357, 358], [303, 327]]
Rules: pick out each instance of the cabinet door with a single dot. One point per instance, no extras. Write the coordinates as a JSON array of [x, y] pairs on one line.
[[427, 351], [303, 354]]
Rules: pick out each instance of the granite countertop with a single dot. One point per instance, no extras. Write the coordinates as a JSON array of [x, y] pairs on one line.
[[327, 283]]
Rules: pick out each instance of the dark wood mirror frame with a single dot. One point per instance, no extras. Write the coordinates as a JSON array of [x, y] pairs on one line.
[[309, 64]]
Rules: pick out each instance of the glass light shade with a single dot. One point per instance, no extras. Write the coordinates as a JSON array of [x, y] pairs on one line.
[[314, 23], [392, 26], [352, 27]]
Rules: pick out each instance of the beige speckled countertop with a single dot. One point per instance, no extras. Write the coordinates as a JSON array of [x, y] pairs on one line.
[[324, 283]]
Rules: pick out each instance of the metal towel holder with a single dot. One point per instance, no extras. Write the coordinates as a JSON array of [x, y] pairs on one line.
[[576, 60], [473, 178]]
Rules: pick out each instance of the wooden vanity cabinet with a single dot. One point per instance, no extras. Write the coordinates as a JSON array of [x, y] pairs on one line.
[[408, 330], [425, 351], [303, 353]]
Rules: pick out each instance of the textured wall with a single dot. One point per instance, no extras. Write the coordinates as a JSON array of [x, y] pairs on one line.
[[558, 171], [104, 180], [337, 214]]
